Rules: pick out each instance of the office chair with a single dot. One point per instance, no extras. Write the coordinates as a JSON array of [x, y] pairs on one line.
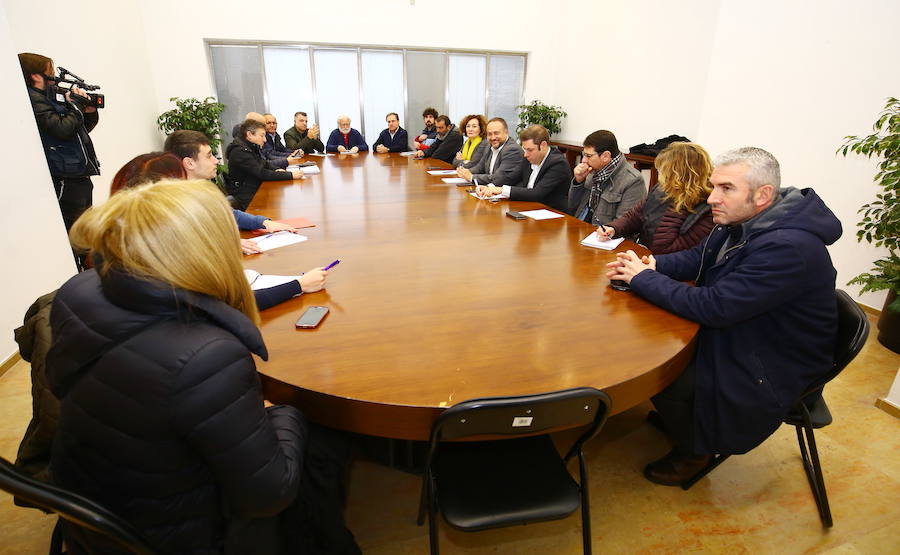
[[810, 411], [74, 508], [490, 483]]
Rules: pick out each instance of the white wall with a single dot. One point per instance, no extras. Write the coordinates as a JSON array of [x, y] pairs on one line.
[[791, 77], [795, 78], [36, 254]]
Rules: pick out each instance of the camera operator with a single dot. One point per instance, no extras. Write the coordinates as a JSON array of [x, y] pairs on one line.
[[64, 121]]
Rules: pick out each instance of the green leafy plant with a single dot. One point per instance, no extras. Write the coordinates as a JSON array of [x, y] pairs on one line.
[[196, 115], [880, 224], [538, 113]]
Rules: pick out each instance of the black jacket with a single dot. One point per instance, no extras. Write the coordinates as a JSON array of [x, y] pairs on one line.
[[162, 417], [64, 132], [552, 184], [247, 165], [445, 149]]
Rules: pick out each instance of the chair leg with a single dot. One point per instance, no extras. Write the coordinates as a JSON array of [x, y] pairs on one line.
[[420, 519], [716, 461], [813, 468], [585, 506], [56, 541], [432, 527]]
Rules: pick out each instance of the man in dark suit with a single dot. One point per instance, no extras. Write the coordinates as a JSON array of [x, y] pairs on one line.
[[545, 173], [502, 165], [447, 143], [394, 138]]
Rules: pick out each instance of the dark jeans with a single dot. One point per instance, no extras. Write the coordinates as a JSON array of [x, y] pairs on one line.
[[675, 405], [75, 195]]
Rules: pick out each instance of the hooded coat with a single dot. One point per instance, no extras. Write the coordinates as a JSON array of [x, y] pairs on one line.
[[162, 418], [767, 315]]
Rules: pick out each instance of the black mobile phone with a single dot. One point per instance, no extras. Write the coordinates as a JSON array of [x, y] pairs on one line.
[[311, 317], [619, 285], [515, 215]]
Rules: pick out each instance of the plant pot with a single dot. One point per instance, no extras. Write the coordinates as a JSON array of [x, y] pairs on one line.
[[889, 325]]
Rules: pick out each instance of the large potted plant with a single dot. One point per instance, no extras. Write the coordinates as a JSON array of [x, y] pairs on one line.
[[880, 224], [538, 113], [196, 115]]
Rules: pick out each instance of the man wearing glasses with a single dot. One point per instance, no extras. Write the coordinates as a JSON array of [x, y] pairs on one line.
[[605, 185]]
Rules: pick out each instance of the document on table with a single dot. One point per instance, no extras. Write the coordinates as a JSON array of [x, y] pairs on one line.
[[263, 281], [593, 241], [311, 170], [278, 239], [494, 198], [319, 154], [541, 214], [441, 172], [408, 153], [456, 180]]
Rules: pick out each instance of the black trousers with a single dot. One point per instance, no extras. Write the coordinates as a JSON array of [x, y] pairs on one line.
[[675, 405], [75, 195]]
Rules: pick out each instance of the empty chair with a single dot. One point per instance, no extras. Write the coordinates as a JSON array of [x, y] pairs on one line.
[[810, 411], [491, 482]]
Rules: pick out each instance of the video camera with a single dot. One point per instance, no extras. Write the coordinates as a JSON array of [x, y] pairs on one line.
[[96, 100]]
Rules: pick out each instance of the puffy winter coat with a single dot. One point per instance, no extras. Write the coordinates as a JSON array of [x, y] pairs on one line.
[[162, 417]]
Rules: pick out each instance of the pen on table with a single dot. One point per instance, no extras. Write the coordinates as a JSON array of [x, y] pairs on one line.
[[330, 266]]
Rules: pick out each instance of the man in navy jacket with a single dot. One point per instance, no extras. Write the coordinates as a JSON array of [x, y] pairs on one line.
[[764, 299], [394, 138]]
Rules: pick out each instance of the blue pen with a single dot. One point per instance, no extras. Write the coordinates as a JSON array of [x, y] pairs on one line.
[[332, 265]]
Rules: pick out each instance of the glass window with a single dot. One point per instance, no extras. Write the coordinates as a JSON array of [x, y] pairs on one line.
[[382, 89], [337, 88], [466, 85], [288, 84], [507, 74], [426, 86], [238, 84]]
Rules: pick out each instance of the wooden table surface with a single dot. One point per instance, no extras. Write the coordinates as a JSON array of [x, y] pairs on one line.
[[439, 298]]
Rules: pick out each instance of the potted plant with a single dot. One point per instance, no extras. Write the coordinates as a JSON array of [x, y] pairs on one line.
[[538, 113], [880, 224], [196, 115]]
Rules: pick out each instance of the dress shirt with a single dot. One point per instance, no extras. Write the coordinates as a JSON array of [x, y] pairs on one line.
[[534, 172]]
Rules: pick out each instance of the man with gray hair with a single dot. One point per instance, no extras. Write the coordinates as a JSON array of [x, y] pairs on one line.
[[764, 299]]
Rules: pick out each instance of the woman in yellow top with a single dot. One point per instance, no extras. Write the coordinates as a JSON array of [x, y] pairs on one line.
[[475, 127]]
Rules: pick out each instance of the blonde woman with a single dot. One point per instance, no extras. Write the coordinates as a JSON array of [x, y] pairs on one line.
[[162, 417], [674, 216], [474, 129]]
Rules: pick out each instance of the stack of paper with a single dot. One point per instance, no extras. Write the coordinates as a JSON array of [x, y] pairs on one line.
[[593, 241], [262, 281], [541, 214], [278, 239]]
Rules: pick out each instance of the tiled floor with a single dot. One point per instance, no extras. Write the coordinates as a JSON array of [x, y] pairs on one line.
[[754, 503]]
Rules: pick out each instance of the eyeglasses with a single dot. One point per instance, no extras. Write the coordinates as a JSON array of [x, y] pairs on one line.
[[588, 156]]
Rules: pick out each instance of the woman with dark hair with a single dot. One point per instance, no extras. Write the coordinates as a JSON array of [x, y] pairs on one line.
[[674, 216], [155, 166], [162, 418], [474, 128]]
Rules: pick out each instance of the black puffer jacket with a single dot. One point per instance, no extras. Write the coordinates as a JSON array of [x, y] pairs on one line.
[[162, 417]]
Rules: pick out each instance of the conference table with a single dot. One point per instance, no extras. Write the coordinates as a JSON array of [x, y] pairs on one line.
[[440, 297]]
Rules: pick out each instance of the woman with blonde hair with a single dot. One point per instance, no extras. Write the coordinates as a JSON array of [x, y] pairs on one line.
[[162, 417], [674, 216], [474, 129]]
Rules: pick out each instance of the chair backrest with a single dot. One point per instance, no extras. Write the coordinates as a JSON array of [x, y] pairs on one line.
[[523, 415], [852, 332], [74, 508]]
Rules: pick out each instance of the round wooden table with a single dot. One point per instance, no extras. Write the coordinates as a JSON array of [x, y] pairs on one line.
[[439, 298]]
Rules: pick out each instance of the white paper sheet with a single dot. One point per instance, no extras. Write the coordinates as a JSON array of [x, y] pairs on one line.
[[541, 214], [592, 241], [454, 180], [263, 281], [494, 198], [278, 239], [310, 170], [441, 172], [408, 153]]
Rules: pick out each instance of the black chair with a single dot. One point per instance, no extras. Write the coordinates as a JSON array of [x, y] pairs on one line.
[[74, 508], [810, 411], [490, 483]]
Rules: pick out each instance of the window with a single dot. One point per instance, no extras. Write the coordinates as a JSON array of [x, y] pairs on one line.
[[363, 83]]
